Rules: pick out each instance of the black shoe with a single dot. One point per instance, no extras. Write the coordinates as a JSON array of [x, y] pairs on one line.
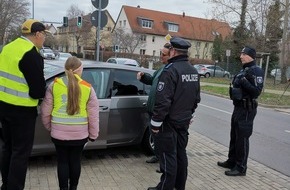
[[226, 164], [235, 172], [154, 159], [152, 188]]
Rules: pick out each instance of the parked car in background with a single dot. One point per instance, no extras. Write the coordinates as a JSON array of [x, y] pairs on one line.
[[211, 70], [47, 53], [123, 61], [277, 73], [63, 56], [122, 103]]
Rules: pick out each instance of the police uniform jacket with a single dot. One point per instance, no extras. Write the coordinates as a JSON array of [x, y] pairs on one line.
[[248, 83], [178, 92]]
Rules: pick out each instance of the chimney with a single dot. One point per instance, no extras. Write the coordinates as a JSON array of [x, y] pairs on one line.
[[183, 14]]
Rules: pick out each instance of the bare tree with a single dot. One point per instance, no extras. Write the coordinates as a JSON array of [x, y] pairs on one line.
[[74, 11], [12, 14], [128, 42], [231, 10]]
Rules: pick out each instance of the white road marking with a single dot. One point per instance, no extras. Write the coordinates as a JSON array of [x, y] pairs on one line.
[[216, 109]]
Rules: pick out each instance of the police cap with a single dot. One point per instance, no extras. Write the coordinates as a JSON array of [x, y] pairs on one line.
[[179, 43]]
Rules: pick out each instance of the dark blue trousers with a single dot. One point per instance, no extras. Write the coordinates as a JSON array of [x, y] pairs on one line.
[[171, 142], [241, 130]]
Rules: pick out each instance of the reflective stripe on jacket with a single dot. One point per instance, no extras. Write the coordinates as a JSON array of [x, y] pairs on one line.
[[13, 86], [59, 114]]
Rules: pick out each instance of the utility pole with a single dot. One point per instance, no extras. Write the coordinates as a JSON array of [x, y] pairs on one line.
[[32, 9]]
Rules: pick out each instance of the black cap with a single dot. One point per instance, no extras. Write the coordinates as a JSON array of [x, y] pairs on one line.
[[179, 43], [249, 51]]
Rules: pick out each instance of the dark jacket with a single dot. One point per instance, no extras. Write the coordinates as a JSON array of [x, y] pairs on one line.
[[178, 92], [153, 81], [249, 81]]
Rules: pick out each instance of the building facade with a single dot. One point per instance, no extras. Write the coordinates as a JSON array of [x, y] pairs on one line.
[[153, 26]]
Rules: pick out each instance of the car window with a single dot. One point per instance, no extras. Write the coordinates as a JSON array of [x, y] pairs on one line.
[[126, 84], [99, 79]]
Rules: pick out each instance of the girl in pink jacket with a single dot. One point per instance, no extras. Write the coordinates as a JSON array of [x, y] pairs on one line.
[[70, 111]]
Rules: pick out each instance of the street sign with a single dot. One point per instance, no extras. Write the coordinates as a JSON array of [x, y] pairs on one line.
[[104, 3], [95, 16], [228, 52]]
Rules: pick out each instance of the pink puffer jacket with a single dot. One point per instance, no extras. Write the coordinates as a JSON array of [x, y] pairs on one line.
[[71, 132]]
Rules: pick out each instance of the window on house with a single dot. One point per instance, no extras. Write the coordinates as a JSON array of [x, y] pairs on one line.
[[173, 27], [206, 45], [124, 23], [143, 38], [153, 38], [142, 51], [109, 29], [147, 23], [154, 52], [196, 56], [120, 23]]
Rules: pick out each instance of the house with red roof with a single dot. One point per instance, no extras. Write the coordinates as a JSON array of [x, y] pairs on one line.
[[153, 26]]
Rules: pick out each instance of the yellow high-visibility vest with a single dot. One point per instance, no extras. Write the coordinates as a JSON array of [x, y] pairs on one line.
[[59, 114], [13, 86]]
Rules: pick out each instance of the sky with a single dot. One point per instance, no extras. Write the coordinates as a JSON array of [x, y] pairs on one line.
[[54, 10]]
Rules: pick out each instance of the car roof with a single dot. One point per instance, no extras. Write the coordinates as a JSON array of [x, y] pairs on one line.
[[55, 67]]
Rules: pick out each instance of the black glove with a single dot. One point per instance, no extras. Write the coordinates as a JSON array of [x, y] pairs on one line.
[[249, 74], [92, 140]]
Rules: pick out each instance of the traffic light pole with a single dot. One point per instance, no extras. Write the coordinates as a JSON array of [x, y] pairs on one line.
[[98, 32]]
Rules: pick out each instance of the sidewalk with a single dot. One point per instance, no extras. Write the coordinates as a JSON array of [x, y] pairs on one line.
[[119, 170]]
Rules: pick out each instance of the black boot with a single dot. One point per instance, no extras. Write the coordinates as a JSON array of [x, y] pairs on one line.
[[64, 188]]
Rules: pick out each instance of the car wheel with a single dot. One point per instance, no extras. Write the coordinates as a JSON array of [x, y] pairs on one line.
[[207, 75], [148, 143]]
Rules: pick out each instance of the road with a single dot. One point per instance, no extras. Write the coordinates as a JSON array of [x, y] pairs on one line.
[[270, 142]]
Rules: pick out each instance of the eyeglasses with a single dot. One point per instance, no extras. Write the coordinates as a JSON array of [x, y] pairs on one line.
[[164, 54], [43, 33]]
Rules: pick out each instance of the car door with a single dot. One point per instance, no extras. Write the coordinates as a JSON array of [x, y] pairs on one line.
[[99, 79], [128, 116]]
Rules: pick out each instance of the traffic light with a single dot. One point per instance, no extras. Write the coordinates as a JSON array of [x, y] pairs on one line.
[[65, 21], [79, 21]]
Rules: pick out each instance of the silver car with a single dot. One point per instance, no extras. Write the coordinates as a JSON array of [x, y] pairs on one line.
[[123, 61], [211, 70], [122, 99]]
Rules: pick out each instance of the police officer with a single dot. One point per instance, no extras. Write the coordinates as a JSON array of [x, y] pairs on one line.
[[177, 96], [22, 84], [153, 81], [247, 86]]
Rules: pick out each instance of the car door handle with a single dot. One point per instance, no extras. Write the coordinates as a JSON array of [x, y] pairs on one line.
[[144, 104], [103, 107]]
